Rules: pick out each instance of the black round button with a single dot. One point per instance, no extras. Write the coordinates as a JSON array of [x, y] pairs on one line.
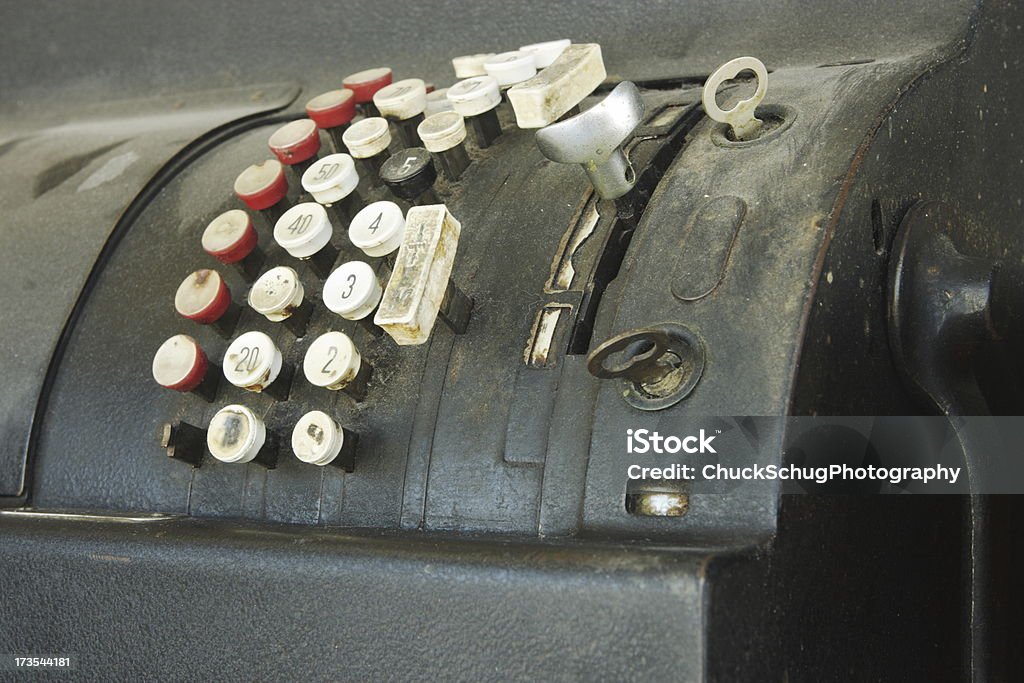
[[409, 173]]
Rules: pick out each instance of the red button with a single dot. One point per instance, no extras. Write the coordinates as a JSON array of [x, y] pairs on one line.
[[202, 297], [295, 142], [230, 237], [180, 364], [366, 83], [332, 109], [262, 185]]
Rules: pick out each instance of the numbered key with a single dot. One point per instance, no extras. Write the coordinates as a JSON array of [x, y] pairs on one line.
[[231, 238], [296, 145], [333, 362], [263, 187], [544, 54], [318, 440], [368, 141], [353, 292], [558, 90], [437, 102], [378, 229], [254, 363], [477, 99], [509, 68], [204, 297], [420, 289], [332, 112], [365, 84], [468, 66], [410, 175], [278, 295], [333, 182], [305, 232], [237, 435], [403, 103], [181, 365], [444, 136]]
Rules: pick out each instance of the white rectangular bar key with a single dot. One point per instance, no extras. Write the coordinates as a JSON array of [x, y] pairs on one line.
[[559, 87], [416, 290]]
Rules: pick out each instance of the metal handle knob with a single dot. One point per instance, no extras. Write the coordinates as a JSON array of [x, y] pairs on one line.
[[594, 140]]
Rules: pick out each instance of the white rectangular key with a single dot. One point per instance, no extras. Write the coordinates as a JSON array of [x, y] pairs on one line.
[[559, 87], [416, 290]]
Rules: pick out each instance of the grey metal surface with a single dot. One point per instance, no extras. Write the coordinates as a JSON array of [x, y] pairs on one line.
[[99, 48]]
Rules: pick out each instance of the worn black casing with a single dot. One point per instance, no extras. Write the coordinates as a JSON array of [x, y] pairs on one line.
[[484, 532]]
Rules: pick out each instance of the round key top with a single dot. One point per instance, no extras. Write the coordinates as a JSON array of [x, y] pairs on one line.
[[365, 84], [202, 297], [410, 175], [332, 109], [331, 178], [180, 364], [547, 52], [317, 439], [352, 291], [235, 434], [443, 135], [368, 138], [510, 68], [468, 66], [252, 361], [402, 100], [443, 131], [277, 294], [303, 230], [230, 237], [332, 361], [263, 185], [475, 96], [378, 229], [295, 142], [437, 102]]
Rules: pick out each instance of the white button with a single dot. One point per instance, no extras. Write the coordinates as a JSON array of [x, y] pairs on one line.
[[474, 96], [368, 137], [252, 361], [546, 97], [468, 66], [402, 100], [414, 293], [377, 229], [437, 102], [547, 52], [303, 230], [235, 434], [277, 293], [331, 179], [510, 68], [317, 438], [352, 291], [332, 361], [440, 132]]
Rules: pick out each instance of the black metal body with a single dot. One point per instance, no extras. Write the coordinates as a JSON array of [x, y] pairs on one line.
[[483, 531]]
